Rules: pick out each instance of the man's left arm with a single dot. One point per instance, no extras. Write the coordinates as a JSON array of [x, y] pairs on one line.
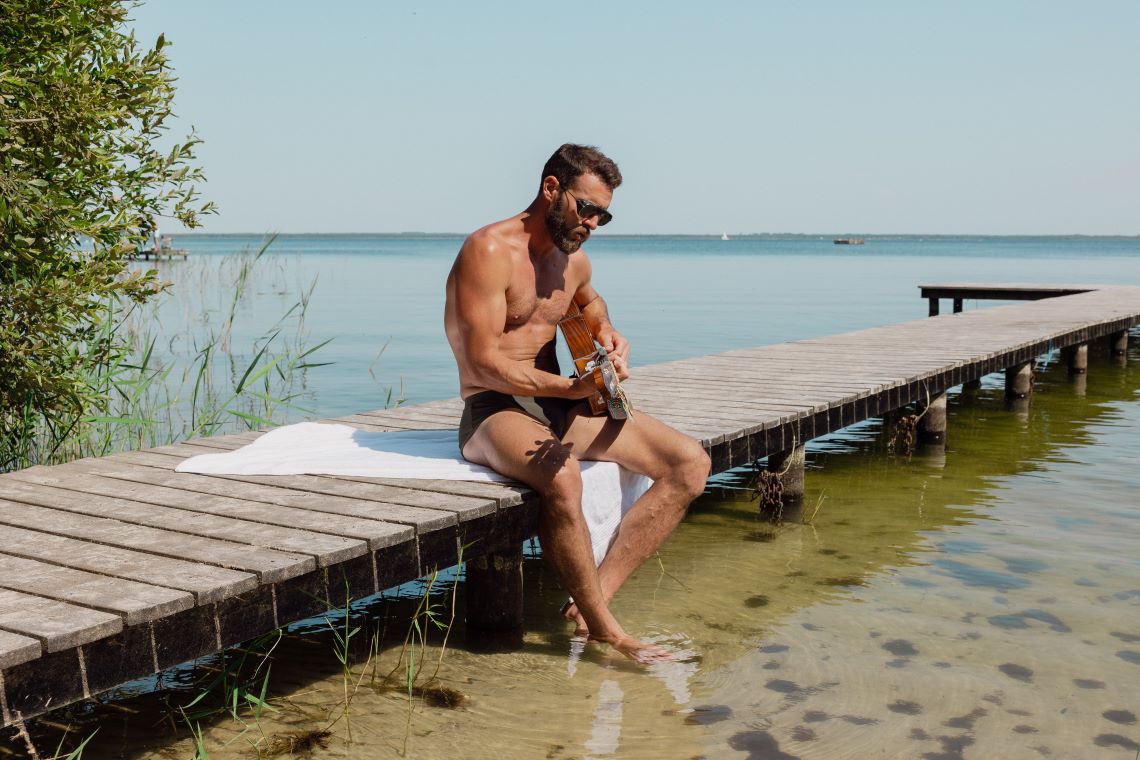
[[597, 317]]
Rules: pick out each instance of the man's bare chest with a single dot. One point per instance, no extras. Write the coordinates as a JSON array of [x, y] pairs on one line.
[[535, 297], [526, 307]]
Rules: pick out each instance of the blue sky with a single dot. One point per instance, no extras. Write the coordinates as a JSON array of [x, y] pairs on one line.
[[830, 117]]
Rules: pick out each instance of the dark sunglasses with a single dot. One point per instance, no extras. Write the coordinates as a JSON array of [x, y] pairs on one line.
[[586, 209]]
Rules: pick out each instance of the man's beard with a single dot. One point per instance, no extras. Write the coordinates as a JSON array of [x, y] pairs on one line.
[[560, 232]]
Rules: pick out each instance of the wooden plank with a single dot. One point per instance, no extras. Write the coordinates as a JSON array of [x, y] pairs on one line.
[[363, 422], [423, 492], [57, 625], [135, 602], [778, 403], [414, 415], [205, 515], [206, 583], [301, 487], [15, 649], [503, 494], [269, 565], [298, 491]]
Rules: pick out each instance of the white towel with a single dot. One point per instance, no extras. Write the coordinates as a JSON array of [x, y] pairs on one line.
[[313, 448]]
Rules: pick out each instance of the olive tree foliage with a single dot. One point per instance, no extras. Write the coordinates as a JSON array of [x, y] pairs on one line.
[[86, 168]]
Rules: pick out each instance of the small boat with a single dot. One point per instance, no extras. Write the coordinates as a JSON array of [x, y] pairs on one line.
[[724, 236], [848, 241]]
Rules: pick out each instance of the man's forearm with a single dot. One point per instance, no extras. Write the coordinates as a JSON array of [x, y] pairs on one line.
[[521, 379], [597, 316]]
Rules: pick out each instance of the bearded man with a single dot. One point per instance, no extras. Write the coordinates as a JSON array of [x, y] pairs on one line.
[[511, 283]]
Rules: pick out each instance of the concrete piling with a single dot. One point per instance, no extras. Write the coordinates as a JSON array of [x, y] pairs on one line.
[[1118, 343], [932, 424], [1077, 358], [1019, 380], [1080, 384]]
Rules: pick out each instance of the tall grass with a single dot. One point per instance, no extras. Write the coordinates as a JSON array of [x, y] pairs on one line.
[[179, 372]]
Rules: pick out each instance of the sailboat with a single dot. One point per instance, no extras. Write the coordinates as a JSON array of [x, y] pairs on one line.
[[724, 236]]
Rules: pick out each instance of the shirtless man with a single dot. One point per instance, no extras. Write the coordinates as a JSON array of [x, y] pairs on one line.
[[510, 285]]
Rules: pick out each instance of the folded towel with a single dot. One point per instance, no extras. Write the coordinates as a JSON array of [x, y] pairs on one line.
[[313, 448]]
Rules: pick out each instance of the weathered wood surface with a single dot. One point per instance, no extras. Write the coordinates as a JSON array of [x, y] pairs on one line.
[[112, 568]]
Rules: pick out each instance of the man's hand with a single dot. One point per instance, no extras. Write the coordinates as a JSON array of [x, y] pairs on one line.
[[618, 348], [583, 387]]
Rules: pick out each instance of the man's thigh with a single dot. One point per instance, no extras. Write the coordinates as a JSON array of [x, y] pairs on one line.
[[643, 443], [517, 445]]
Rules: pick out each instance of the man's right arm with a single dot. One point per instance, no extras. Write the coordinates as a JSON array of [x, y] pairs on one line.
[[481, 277]]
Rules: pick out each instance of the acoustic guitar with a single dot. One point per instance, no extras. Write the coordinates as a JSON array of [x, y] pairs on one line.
[[591, 358]]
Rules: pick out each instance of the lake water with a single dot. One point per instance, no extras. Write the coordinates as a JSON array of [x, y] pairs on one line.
[[984, 603], [672, 297]]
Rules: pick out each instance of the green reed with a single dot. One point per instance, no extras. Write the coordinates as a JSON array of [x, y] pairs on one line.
[[168, 369]]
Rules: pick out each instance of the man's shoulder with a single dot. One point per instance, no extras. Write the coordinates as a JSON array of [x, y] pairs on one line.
[[496, 239], [488, 255]]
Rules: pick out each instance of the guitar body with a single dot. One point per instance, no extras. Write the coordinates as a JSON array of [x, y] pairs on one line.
[[591, 358]]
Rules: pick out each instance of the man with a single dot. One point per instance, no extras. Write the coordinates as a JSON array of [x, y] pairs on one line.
[[510, 285]]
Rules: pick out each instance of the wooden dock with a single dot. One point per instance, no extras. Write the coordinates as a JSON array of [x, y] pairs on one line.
[[112, 569], [160, 254]]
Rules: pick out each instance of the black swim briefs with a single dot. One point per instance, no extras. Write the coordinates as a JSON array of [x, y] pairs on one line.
[[552, 412]]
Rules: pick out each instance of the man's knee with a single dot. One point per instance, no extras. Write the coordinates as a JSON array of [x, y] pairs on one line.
[[694, 469], [564, 486]]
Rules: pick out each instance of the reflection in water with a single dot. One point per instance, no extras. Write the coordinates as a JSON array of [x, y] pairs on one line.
[[977, 603], [607, 719]]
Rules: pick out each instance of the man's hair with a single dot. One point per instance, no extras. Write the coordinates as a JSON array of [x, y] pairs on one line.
[[572, 161]]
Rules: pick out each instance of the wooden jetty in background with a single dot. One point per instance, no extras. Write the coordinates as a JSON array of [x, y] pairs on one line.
[[163, 250], [114, 568], [169, 253]]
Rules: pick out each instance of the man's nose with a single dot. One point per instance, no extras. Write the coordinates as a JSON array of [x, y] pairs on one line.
[[591, 222]]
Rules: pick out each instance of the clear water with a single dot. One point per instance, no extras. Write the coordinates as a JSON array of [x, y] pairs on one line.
[[984, 603]]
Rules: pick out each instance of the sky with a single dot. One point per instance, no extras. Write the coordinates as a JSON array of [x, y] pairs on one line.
[[996, 117]]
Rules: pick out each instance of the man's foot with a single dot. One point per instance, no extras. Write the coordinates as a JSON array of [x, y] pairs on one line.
[[570, 612], [639, 651]]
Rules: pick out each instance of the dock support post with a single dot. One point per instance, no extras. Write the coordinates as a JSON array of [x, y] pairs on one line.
[[1119, 343], [933, 306], [1019, 380], [1080, 384], [790, 464], [932, 425], [957, 305], [1077, 358], [495, 591]]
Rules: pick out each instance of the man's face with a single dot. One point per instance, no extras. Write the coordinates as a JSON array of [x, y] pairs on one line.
[[566, 228]]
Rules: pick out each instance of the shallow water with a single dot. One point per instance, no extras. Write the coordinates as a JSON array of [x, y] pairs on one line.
[[984, 603]]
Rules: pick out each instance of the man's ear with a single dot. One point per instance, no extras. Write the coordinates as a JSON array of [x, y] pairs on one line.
[[549, 187]]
